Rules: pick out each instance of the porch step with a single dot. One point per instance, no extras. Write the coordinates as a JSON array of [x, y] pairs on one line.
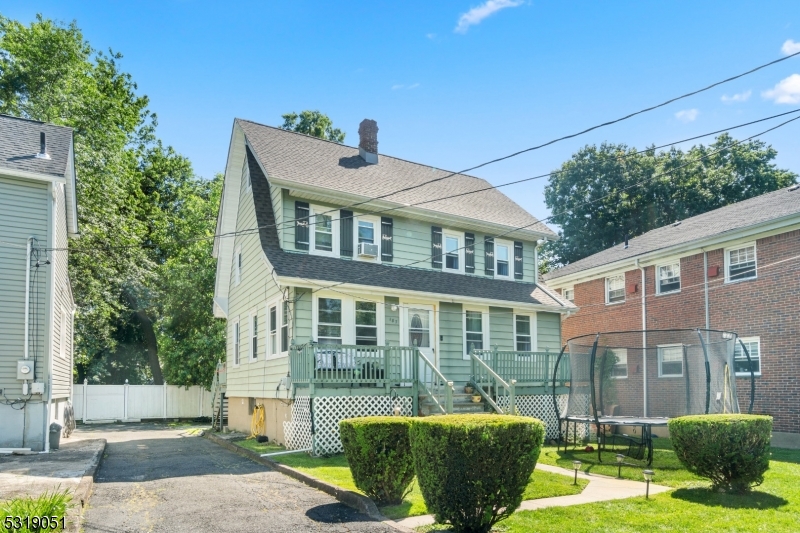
[[462, 403]]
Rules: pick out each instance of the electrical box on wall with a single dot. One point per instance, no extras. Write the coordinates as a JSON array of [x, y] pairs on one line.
[[37, 388], [25, 369]]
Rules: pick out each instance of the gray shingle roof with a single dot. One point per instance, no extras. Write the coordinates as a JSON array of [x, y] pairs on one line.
[[330, 269], [19, 144], [327, 165], [770, 206]]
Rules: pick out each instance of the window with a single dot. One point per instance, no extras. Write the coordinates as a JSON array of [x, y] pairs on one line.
[[620, 368], [237, 267], [473, 326], [236, 343], [452, 250], [329, 321], [254, 336], [366, 324], [366, 232], [524, 339], [615, 289], [569, 294], [670, 361], [669, 277], [285, 327], [740, 263], [323, 233], [740, 363], [273, 330], [501, 255]]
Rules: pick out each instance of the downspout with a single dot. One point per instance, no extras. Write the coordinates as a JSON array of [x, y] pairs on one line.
[[705, 288], [25, 351], [644, 335]]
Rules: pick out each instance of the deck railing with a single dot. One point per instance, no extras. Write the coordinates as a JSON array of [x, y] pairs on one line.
[[527, 368], [343, 364], [492, 387], [433, 383]]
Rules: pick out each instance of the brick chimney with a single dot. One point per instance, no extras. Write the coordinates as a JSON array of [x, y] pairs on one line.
[[368, 140]]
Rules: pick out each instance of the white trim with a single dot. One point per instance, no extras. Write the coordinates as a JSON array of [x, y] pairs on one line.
[[314, 211], [534, 330], [237, 266], [460, 243], [286, 305], [405, 305], [749, 340], [248, 182], [380, 319], [485, 339], [376, 237], [237, 343], [253, 321], [510, 246], [564, 293], [607, 289], [726, 254], [658, 276], [274, 304], [660, 361], [348, 323]]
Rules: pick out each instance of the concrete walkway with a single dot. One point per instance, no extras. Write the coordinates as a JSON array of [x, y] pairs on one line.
[[600, 488]]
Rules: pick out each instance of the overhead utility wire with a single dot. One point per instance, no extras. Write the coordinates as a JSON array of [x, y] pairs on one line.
[[249, 231], [616, 192]]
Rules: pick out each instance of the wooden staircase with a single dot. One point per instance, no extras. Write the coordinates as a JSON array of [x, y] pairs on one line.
[[462, 403]]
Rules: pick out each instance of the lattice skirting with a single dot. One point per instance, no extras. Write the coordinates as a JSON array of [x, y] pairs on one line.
[[538, 406], [297, 431], [329, 410]]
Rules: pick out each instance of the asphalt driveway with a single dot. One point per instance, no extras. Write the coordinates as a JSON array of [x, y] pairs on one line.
[[159, 478]]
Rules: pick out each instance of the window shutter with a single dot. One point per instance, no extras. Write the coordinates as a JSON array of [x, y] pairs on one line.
[[517, 260], [488, 246], [469, 252], [301, 220], [436, 247], [346, 233], [387, 239]]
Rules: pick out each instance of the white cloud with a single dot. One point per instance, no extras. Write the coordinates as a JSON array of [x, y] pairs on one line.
[[790, 47], [738, 97], [398, 86], [476, 15], [787, 91], [430, 35], [687, 115], [413, 86]]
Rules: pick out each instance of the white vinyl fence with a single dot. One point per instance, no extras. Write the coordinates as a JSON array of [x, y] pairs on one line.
[[133, 402]]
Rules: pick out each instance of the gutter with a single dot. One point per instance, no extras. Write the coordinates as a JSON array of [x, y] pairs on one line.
[[644, 334], [705, 287]]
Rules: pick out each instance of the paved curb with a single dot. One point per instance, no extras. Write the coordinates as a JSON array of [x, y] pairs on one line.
[[360, 503], [84, 490]]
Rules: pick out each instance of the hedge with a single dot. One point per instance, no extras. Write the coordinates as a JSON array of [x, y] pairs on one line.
[[379, 454], [473, 469], [730, 450]]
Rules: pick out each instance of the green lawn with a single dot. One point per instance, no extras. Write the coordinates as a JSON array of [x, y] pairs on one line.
[[336, 471]]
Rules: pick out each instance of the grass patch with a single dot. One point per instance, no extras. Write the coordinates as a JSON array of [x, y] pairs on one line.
[[49, 504], [266, 447]]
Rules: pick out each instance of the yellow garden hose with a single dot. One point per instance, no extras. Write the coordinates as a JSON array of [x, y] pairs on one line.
[[258, 421]]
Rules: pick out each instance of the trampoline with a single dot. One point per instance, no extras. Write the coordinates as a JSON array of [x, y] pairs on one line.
[[623, 384]]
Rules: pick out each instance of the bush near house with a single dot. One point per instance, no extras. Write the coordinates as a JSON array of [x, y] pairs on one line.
[[730, 450], [379, 454], [472, 470]]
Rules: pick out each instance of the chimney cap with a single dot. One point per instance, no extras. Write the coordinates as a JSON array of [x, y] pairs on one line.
[[368, 140]]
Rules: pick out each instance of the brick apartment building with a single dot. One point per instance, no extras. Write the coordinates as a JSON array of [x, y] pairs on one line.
[[734, 268]]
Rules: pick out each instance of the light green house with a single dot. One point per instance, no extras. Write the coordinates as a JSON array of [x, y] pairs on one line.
[[357, 284], [38, 210]]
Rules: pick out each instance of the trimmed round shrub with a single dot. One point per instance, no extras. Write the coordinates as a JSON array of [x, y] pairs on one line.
[[730, 450], [472, 470], [379, 454]]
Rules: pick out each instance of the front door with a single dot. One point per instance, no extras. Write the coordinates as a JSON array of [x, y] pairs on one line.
[[419, 330]]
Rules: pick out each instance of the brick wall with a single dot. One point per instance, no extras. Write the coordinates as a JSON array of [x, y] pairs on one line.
[[767, 307]]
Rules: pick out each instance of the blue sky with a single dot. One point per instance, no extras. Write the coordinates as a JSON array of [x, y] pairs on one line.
[[452, 83]]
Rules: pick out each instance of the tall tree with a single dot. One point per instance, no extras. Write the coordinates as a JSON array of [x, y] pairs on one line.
[[313, 123], [603, 194]]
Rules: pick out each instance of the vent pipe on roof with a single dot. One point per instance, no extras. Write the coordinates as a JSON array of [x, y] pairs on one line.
[[626, 241], [368, 141], [43, 147]]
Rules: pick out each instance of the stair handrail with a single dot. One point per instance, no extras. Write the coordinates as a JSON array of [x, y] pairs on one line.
[[438, 382], [216, 392], [479, 370]]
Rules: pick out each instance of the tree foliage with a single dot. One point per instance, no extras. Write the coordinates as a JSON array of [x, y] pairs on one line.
[[312, 123], [132, 195], [604, 193]]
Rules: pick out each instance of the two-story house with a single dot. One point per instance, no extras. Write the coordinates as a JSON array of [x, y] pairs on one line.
[[733, 268], [38, 210], [355, 283]]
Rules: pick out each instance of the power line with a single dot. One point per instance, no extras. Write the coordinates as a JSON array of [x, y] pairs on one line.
[[249, 231], [662, 174]]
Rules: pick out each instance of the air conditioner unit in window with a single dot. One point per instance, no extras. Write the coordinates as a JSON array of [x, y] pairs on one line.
[[366, 249]]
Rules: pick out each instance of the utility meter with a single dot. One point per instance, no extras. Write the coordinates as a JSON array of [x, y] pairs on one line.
[[25, 369]]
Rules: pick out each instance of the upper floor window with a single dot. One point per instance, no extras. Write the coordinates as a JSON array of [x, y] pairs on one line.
[[285, 327], [452, 252], [367, 236], [236, 343], [619, 370], [669, 277], [272, 347], [254, 336], [329, 321], [740, 263], [569, 294], [615, 289], [502, 253], [522, 333], [670, 361], [366, 323], [366, 231], [324, 231], [740, 362], [237, 267]]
